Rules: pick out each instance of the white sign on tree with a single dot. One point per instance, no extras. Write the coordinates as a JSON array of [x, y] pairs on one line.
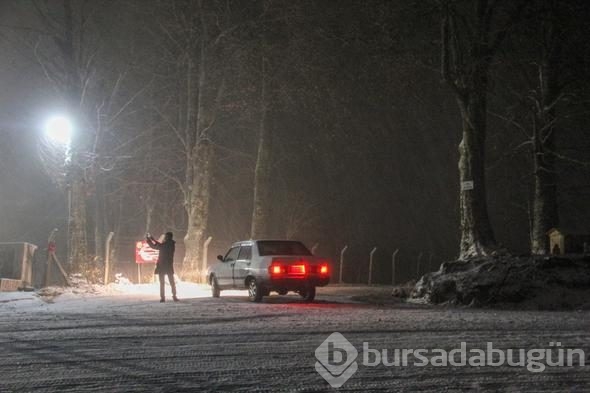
[[467, 185]]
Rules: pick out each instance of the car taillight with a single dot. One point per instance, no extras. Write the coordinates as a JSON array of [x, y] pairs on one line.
[[324, 269], [298, 270], [276, 269], [279, 268]]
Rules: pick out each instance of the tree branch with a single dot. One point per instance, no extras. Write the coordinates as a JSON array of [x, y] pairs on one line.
[[175, 180]]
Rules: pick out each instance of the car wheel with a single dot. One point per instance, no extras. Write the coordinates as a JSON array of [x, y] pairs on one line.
[[308, 294], [255, 291], [215, 290]]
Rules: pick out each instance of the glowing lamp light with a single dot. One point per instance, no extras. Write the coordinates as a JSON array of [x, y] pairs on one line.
[[59, 129]]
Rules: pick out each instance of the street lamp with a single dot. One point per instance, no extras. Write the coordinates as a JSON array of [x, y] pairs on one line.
[[59, 129]]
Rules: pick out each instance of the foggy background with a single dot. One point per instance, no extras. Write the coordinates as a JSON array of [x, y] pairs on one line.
[[364, 132]]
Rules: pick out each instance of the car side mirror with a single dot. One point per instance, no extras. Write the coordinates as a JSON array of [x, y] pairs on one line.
[[220, 257]]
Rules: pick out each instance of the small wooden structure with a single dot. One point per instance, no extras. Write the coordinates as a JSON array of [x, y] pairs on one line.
[[16, 265], [564, 241], [9, 285]]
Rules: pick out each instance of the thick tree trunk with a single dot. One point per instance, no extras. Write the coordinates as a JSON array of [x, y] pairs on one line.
[[198, 210], [78, 244], [262, 172], [72, 90], [199, 117], [477, 237], [465, 66]]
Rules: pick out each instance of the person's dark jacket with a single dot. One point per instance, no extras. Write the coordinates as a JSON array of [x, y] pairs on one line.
[[165, 263]]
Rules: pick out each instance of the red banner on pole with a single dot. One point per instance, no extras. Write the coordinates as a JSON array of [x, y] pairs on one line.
[[144, 253]]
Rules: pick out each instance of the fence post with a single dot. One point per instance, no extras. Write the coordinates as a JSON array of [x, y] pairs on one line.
[[393, 258], [204, 263], [342, 263], [107, 258], [371, 265]]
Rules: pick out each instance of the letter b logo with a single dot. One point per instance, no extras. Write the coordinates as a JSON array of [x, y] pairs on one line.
[[336, 360], [336, 356]]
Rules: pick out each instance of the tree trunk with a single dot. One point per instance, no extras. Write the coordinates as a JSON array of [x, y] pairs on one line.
[[78, 237], [545, 207], [465, 66], [200, 155], [149, 215], [262, 172], [150, 194], [198, 210], [545, 213], [99, 229], [78, 245], [477, 237]]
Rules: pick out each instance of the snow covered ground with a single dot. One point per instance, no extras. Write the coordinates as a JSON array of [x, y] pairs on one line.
[[121, 339]]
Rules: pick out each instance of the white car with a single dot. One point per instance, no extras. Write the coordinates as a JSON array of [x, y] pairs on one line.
[[262, 266]]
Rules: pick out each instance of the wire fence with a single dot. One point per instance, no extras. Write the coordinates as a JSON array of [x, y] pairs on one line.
[[350, 263]]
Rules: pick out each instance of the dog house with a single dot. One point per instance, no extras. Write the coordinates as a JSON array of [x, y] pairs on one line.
[[563, 241]]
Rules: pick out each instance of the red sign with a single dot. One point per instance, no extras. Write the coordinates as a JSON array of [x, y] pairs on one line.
[[144, 253]]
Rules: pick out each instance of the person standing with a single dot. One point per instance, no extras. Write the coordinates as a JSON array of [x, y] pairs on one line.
[[165, 264]]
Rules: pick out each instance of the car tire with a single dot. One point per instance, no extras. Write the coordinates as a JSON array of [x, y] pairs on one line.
[[308, 294], [215, 290], [255, 291]]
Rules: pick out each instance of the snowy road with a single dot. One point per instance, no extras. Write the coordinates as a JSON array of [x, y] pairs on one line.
[[130, 342]]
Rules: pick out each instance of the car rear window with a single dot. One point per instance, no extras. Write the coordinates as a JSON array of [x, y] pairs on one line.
[[281, 247]]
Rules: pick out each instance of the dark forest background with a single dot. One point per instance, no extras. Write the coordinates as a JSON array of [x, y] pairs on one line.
[[362, 132]]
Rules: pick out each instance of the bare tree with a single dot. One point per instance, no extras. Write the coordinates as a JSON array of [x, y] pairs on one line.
[[194, 35], [545, 102], [471, 35], [279, 59], [545, 91], [67, 52], [66, 40]]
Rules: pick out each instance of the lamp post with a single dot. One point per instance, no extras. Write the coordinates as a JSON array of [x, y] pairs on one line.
[[59, 130]]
